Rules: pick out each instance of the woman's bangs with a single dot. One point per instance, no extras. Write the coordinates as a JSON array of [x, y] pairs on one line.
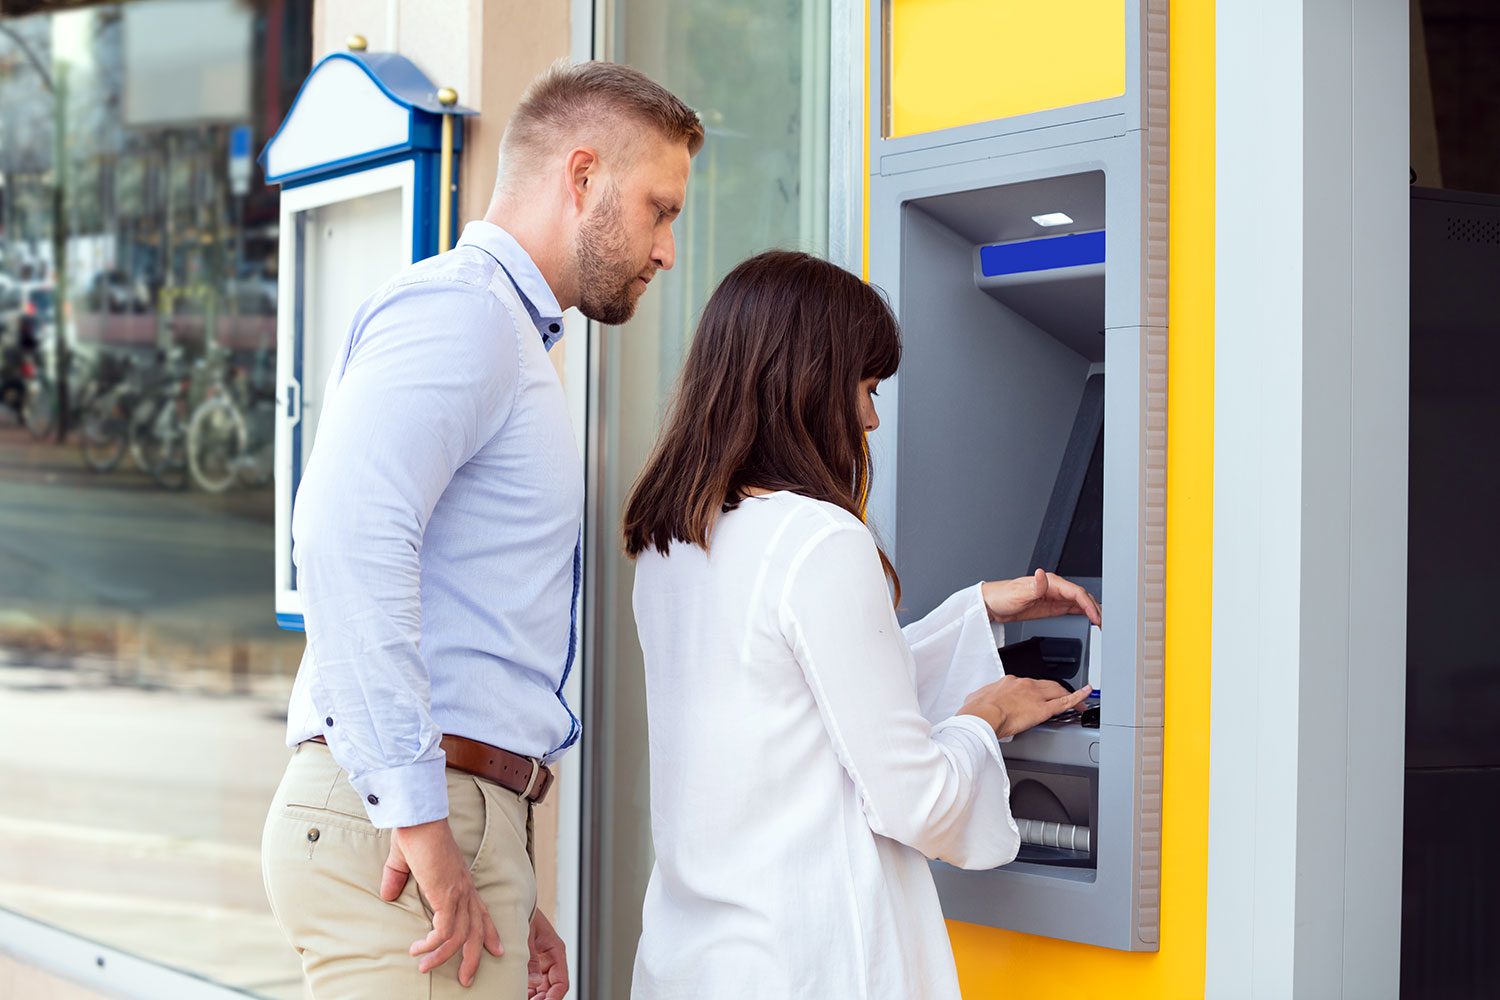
[[884, 355]]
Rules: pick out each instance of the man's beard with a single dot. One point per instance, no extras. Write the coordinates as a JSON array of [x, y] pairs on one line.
[[605, 275]]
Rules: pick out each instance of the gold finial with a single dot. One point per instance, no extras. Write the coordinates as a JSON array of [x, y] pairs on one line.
[[357, 43], [447, 97]]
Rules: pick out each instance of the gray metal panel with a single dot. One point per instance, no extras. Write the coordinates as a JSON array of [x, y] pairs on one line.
[[1130, 676], [1032, 131], [888, 195], [975, 377], [1321, 734], [1378, 514], [894, 159], [1118, 905], [972, 366], [974, 215], [997, 401], [1064, 302]]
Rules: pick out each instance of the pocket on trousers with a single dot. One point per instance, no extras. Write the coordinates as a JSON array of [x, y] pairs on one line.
[[469, 816], [317, 864], [502, 867], [321, 817], [504, 850]]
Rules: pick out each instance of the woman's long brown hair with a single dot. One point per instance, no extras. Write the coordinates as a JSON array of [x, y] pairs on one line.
[[768, 398]]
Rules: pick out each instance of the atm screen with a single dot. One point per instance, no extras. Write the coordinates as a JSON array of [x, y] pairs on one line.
[[1083, 549], [1071, 541]]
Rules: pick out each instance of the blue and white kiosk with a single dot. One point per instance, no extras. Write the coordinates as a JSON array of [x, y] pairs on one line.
[[365, 162]]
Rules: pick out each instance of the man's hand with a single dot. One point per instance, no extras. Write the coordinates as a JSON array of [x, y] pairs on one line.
[[1013, 705], [547, 972], [460, 920], [1045, 595]]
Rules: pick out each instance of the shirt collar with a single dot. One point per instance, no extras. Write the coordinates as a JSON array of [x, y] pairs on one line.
[[523, 274]]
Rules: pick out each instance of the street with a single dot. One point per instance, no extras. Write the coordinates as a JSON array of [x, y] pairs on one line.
[[115, 546]]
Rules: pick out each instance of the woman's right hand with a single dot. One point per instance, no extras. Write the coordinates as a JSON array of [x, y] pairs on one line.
[[1013, 705]]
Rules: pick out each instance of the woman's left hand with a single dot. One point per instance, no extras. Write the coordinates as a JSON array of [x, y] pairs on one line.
[[1045, 595]]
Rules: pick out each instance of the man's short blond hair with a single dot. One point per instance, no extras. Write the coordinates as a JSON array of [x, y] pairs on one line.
[[599, 104]]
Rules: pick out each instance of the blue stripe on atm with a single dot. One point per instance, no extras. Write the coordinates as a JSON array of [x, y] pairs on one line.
[[1042, 255]]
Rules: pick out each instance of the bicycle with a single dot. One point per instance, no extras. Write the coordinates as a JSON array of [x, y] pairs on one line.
[[157, 424], [38, 407], [104, 426], [231, 435]]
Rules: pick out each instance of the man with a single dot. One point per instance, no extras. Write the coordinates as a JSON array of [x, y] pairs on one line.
[[436, 538]]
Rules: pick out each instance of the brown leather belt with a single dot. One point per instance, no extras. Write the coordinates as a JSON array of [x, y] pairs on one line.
[[528, 778]]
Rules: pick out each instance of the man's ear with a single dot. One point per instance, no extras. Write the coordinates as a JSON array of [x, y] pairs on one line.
[[581, 173]]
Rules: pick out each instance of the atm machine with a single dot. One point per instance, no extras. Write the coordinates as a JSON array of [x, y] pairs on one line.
[[364, 159], [1026, 261]]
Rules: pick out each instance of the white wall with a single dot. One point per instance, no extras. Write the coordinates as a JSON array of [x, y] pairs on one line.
[[1310, 500]]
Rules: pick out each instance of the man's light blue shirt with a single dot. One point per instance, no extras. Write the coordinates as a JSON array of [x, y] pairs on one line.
[[436, 529]]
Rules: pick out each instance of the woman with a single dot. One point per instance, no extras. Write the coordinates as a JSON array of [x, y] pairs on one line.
[[807, 756]]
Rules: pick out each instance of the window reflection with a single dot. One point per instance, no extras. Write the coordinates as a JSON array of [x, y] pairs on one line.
[[760, 181], [142, 678]]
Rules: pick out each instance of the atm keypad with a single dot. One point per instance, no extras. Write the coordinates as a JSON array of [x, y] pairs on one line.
[[1088, 718]]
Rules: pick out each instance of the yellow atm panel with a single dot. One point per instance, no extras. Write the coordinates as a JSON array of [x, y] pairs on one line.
[[956, 62]]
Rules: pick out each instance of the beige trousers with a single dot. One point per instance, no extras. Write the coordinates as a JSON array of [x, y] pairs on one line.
[[322, 861]]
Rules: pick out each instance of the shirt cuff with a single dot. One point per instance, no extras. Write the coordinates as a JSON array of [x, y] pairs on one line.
[[405, 795], [975, 724]]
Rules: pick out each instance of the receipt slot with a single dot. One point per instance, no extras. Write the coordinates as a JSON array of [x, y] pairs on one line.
[[1026, 260], [361, 158]]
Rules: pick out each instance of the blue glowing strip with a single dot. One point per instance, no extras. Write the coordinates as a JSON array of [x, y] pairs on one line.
[[1042, 255], [292, 623]]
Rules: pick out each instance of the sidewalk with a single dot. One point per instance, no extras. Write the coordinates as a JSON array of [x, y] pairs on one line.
[[132, 816]]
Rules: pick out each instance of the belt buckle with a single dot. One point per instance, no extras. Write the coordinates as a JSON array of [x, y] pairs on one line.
[[536, 768], [535, 792]]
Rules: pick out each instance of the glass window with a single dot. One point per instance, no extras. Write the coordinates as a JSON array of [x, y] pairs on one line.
[[761, 181], [143, 681]]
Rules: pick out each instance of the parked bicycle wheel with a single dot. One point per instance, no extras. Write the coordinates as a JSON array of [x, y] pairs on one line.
[[103, 432], [161, 444], [216, 441], [138, 419], [39, 408]]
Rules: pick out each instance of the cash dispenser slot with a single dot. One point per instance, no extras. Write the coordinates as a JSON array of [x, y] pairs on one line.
[[1054, 807]]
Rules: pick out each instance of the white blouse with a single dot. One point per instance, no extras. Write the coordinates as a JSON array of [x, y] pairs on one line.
[[805, 761]]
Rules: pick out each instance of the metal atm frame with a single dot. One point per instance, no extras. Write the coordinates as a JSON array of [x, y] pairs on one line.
[[942, 462]]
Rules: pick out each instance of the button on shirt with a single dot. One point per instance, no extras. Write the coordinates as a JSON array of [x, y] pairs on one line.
[[436, 530]]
